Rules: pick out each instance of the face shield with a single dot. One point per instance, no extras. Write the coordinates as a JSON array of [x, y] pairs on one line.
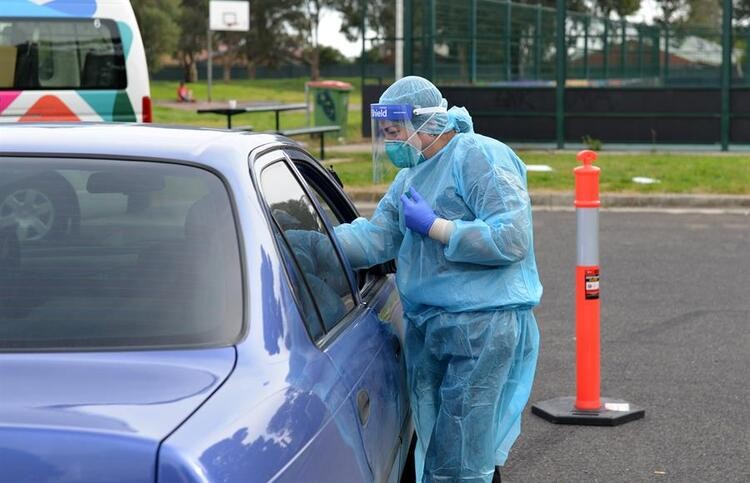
[[394, 135]]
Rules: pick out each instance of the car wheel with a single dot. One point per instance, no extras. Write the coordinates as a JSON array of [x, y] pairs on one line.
[[41, 208]]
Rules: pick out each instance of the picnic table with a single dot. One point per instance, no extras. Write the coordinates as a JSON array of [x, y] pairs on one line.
[[233, 111]]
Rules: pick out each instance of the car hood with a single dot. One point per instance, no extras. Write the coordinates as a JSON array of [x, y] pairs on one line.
[[99, 417]]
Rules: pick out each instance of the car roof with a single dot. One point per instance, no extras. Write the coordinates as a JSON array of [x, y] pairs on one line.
[[215, 148]]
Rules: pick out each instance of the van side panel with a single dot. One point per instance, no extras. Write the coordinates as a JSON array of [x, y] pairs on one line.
[[95, 102]]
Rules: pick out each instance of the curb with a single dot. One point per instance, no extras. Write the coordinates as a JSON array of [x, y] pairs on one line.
[[609, 200]]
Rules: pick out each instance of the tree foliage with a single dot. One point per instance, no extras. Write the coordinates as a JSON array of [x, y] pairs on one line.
[[672, 11], [270, 41], [159, 29], [193, 21], [622, 8]]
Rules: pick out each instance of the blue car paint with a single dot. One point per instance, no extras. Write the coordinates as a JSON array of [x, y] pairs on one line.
[[288, 411], [61, 413]]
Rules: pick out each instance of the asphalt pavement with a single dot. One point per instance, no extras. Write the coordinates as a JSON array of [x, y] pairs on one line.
[[675, 340]]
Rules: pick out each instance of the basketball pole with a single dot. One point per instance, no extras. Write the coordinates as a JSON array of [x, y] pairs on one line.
[[209, 74]]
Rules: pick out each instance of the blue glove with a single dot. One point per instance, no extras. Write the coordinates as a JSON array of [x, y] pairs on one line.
[[418, 214]]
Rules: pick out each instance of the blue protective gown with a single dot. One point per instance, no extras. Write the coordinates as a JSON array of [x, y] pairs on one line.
[[471, 338]]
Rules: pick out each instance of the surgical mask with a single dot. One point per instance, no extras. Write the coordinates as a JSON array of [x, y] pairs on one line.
[[402, 154]]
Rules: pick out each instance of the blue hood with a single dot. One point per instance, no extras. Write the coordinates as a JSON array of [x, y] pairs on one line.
[[97, 416]]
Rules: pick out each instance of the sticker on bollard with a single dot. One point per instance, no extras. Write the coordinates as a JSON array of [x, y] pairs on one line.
[[592, 283]]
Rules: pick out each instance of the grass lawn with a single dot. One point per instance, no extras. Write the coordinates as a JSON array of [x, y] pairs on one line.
[[676, 172], [248, 91]]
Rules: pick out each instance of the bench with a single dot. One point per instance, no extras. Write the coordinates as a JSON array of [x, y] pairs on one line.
[[321, 130]]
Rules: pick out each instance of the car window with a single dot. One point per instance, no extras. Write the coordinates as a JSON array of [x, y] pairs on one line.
[[307, 306], [338, 211], [103, 254], [61, 53], [310, 243]]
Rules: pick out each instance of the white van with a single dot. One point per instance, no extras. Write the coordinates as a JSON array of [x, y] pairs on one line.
[[72, 60]]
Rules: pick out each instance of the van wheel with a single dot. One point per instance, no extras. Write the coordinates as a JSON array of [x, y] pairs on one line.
[[41, 208]]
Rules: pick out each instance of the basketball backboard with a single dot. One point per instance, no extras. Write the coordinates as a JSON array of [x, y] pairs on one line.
[[229, 15]]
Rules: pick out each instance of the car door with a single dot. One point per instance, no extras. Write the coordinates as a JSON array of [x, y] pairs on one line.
[[365, 350], [387, 398]]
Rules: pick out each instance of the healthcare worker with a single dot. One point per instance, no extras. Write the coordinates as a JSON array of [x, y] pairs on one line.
[[457, 219]]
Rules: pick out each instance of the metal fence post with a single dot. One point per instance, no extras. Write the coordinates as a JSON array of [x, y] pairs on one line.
[[408, 38], [586, 22], [605, 48], [640, 51], [726, 72], [623, 49], [508, 35], [656, 52], [561, 57], [428, 40], [362, 25], [538, 43], [666, 53], [473, 46]]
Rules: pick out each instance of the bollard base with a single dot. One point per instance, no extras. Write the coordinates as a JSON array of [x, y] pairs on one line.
[[562, 410]]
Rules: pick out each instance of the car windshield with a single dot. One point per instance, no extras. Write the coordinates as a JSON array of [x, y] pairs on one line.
[[103, 254]]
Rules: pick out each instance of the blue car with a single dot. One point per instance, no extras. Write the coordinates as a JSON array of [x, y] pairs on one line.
[[187, 334]]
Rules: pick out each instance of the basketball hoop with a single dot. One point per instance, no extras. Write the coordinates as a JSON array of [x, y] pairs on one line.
[[229, 19]]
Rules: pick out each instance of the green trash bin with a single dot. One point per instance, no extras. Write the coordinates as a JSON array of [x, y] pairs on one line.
[[330, 103]]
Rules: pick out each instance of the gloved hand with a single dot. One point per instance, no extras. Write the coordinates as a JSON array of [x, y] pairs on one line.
[[418, 214]]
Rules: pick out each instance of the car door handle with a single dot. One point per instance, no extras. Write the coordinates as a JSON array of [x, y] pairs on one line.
[[363, 406]]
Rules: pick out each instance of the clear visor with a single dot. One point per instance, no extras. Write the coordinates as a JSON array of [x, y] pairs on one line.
[[393, 124]]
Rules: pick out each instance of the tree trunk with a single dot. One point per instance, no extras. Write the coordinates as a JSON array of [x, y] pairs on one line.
[[190, 70], [227, 68], [251, 70], [315, 64]]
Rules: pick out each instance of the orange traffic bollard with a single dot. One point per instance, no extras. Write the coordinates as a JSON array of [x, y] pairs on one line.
[[587, 283], [587, 408]]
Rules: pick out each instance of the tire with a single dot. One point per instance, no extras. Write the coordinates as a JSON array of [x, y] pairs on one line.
[[42, 208]]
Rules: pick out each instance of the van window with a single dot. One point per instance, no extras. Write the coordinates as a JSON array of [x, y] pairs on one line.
[[61, 54]]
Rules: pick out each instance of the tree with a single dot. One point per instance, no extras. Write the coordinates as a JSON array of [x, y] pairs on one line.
[[332, 56], [193, 21], [672, 11], [269, 41], [307, 22], [705, 13], [159, 30], [232, 47], [622, 8]]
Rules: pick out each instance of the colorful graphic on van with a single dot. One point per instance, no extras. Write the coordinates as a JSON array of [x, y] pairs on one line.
[[52, 8], [126, 37], [6, 97], [90, 106], [49, 108]]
